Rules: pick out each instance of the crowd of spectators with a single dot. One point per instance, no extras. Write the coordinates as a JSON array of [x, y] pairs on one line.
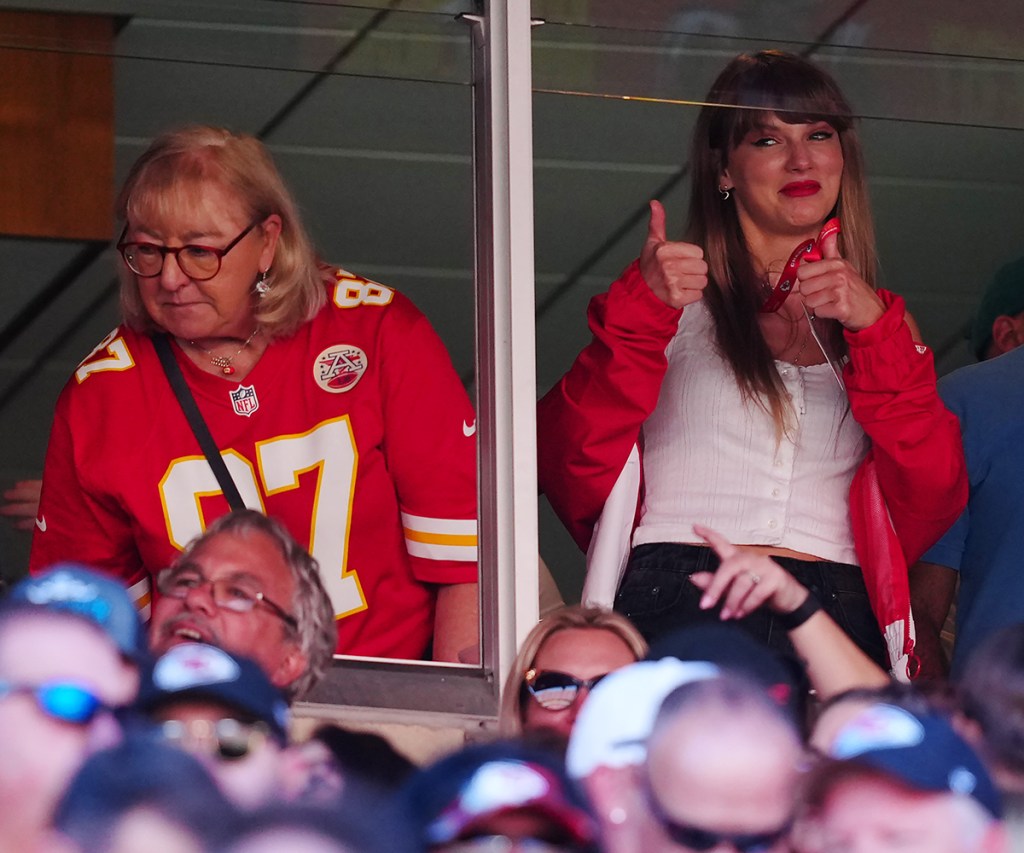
[[750, 695], [710, 740]]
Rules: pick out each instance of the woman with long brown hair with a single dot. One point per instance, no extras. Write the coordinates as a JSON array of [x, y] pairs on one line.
[[778, 396]]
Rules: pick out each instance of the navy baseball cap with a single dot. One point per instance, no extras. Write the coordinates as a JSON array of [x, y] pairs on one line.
[[460, 793], [100, 599], [732, 649], [922, 751], [198, 670]]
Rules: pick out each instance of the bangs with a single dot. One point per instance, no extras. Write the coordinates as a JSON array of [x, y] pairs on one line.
[[770, 83], [744, 120]]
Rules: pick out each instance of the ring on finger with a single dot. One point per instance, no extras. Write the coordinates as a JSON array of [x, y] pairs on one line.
[[754, 579]]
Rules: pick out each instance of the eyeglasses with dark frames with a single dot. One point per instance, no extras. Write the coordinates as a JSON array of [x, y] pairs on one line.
[[62, 700], [198, 262], [556, 691], [236, 594]]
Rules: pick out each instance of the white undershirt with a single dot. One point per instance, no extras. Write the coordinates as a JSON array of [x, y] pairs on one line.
[[712, 458]]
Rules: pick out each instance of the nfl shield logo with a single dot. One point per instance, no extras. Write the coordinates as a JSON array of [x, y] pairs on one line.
[[243, 400]]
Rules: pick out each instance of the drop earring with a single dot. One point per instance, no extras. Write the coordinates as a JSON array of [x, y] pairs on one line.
[[724, 192], [262, 286]]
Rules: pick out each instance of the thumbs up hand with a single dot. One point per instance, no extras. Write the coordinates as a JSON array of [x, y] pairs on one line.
[[832, 288], [676, 272]]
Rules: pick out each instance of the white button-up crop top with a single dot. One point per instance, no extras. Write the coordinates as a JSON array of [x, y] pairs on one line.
[[711, 457]]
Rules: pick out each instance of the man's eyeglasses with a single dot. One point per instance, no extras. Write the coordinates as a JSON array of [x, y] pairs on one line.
[[61, 700], [198, 262], [556, 691], [232, 593], [698, 838], [228, 739]]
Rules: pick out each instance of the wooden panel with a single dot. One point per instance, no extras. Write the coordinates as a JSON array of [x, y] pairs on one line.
[[56, 125]]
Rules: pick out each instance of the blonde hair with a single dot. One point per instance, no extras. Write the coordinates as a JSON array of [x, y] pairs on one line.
[[172, 174], [510, 717]]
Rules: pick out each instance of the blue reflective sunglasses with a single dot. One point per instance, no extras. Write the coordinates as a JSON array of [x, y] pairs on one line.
[[556, 691], [62, 700]]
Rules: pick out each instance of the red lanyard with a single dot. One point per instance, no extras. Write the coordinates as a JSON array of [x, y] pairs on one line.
[[809, 251]]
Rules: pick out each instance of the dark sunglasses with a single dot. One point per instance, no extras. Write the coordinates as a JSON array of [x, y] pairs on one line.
[[227, 738], [556, 691], [62, 700], [698, 838]]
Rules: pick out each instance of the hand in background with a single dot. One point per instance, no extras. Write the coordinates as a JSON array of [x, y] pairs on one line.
[[21, 503]]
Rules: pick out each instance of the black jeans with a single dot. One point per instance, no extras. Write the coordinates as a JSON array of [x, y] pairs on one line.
[[657, 596]]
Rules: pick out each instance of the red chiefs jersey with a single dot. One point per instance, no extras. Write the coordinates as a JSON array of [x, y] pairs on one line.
[[355, 432]]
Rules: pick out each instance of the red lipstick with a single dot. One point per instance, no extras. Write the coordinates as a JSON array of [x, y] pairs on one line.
[[799, 189]]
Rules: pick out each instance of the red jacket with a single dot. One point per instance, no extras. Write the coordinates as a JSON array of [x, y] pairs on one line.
[[910, 488]]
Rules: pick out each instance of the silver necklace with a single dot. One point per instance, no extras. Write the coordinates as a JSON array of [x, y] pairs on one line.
[[224, 361]]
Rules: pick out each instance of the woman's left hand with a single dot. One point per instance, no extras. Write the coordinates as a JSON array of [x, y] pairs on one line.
[[832, 288], [745, 580]]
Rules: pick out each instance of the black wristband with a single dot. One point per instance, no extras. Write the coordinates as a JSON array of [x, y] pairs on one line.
[[796, 618]]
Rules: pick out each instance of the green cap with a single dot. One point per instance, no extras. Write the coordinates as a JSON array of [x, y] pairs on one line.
[[1005, 295]]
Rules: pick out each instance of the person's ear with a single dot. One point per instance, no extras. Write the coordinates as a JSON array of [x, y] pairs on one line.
[[291, 666], [271, 231], [1007, 333]]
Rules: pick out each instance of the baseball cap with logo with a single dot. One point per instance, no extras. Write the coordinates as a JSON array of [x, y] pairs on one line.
[[922, 751], [198, 670], [71, 588], [462, 793], [612, 727]]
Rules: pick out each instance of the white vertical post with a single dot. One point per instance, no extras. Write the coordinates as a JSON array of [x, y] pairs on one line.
[[506, 360]]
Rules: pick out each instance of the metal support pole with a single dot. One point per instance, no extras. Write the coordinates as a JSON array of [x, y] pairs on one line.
[[505, 347]]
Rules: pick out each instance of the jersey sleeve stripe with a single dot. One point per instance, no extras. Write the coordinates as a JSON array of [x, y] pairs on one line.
[[442, 526], [141, 594], [439, 538], [432, 551]]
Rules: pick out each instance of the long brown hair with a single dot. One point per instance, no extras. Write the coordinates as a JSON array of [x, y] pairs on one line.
[[798, 92]]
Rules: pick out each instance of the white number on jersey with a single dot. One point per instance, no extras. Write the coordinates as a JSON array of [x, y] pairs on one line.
[[118, 358], [329, 448], [352, 291]]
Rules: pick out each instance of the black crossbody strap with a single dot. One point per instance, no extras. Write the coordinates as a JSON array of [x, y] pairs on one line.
[[195, 420]]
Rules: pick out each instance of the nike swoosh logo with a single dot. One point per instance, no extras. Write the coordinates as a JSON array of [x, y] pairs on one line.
[[468, 429], [41, 523]]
